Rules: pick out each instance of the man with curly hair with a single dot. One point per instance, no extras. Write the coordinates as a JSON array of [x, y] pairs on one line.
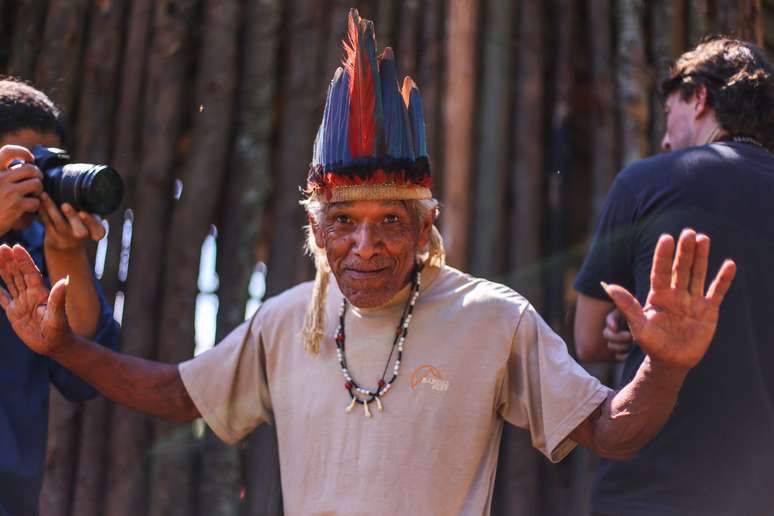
[[57, 238], [714, 455]]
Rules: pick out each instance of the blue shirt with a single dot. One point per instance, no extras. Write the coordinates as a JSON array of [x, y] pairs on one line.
[[714, 455], [24, 389]]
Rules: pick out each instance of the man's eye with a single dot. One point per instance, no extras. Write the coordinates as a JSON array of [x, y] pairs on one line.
[[391, 219], [342, 219]]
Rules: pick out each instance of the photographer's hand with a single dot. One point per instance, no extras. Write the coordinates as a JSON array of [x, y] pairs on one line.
[[68, 230], [67, 233], [19, 186]]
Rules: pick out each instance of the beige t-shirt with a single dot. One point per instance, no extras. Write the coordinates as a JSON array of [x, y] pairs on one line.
[[476, 354]]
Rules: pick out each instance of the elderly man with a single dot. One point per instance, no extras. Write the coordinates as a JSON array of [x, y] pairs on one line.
[[714, 455], [431, 361]]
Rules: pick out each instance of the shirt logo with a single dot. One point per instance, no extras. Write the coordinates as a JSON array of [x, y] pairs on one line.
[[430, 376]]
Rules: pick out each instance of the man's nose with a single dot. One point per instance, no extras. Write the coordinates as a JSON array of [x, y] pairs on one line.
[[367, 241], [666, 145]]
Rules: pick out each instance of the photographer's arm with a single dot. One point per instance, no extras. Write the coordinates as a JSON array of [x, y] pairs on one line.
[[67, 233], [39, 318]]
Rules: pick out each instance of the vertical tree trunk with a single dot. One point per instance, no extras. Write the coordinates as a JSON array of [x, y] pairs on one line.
[[26, 40], [698, 20], [518, 478], [240, 229], [126, 151], [634, 81], [406, 43], [57, 69], [604, 137], [488, 188], [61, 453], [668, 42], [527, 156], [303, 97], [172, 486], [94, 142], [458, 126], [56, 75], [166, 79], [430, 80]]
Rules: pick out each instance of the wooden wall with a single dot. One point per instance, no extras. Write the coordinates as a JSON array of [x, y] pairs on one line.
[[532, 107]]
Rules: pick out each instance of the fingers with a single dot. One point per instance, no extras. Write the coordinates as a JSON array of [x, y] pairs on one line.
[[616, 336], [6, 256], [9, 153], [25, 263], [93, 225], [627, 304], [699, 273], [5, 298], [661, 270], [683, 263], [721, 283], [76, 225], [56, 299], [611, 321], [52, 217]]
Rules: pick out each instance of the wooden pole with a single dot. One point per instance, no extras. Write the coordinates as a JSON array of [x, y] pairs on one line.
[[489, 188], [458, 127], [166, 78]]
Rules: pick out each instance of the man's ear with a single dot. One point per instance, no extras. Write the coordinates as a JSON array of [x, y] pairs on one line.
[[425, 228], [700, 101], [316, 231]]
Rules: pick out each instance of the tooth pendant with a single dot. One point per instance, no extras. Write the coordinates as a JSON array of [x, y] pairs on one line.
[[366, 409]]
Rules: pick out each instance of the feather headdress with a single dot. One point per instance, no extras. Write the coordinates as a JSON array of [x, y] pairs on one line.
[[371, 142]]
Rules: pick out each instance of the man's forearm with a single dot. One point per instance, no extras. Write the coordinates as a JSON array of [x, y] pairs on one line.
[[631, 417], [83, 307], [139, 384]]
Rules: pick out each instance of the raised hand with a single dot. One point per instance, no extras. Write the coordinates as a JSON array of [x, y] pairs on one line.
[[679, 320], [37, 315]]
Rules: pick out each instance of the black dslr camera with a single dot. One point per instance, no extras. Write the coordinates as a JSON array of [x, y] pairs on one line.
[[92, 188]]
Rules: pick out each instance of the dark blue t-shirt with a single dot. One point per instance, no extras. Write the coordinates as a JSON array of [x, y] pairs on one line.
[[716, 453], [24, 389]]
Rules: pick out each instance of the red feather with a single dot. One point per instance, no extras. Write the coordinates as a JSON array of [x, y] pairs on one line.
[[362, 84]]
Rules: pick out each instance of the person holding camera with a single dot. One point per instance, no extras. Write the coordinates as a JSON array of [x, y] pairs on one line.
[[56, 237]]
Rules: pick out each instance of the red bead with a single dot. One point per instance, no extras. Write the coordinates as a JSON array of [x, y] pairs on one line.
[[381, 383], [348, 386], [340, 338]]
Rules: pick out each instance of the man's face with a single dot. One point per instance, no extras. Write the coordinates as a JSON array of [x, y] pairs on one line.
[[680, 123], [28, 138], [371, 247]]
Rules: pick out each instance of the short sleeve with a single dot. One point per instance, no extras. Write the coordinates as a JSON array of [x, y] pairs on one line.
[[545, 391], [610, 255], [228, 383]]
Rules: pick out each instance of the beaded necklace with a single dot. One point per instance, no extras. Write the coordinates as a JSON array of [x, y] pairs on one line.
[[362, 395]]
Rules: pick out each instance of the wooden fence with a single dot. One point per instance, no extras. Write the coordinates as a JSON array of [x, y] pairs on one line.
[[208, 108]]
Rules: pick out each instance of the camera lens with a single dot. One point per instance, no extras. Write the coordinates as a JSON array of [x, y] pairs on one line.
[[93, 188]]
